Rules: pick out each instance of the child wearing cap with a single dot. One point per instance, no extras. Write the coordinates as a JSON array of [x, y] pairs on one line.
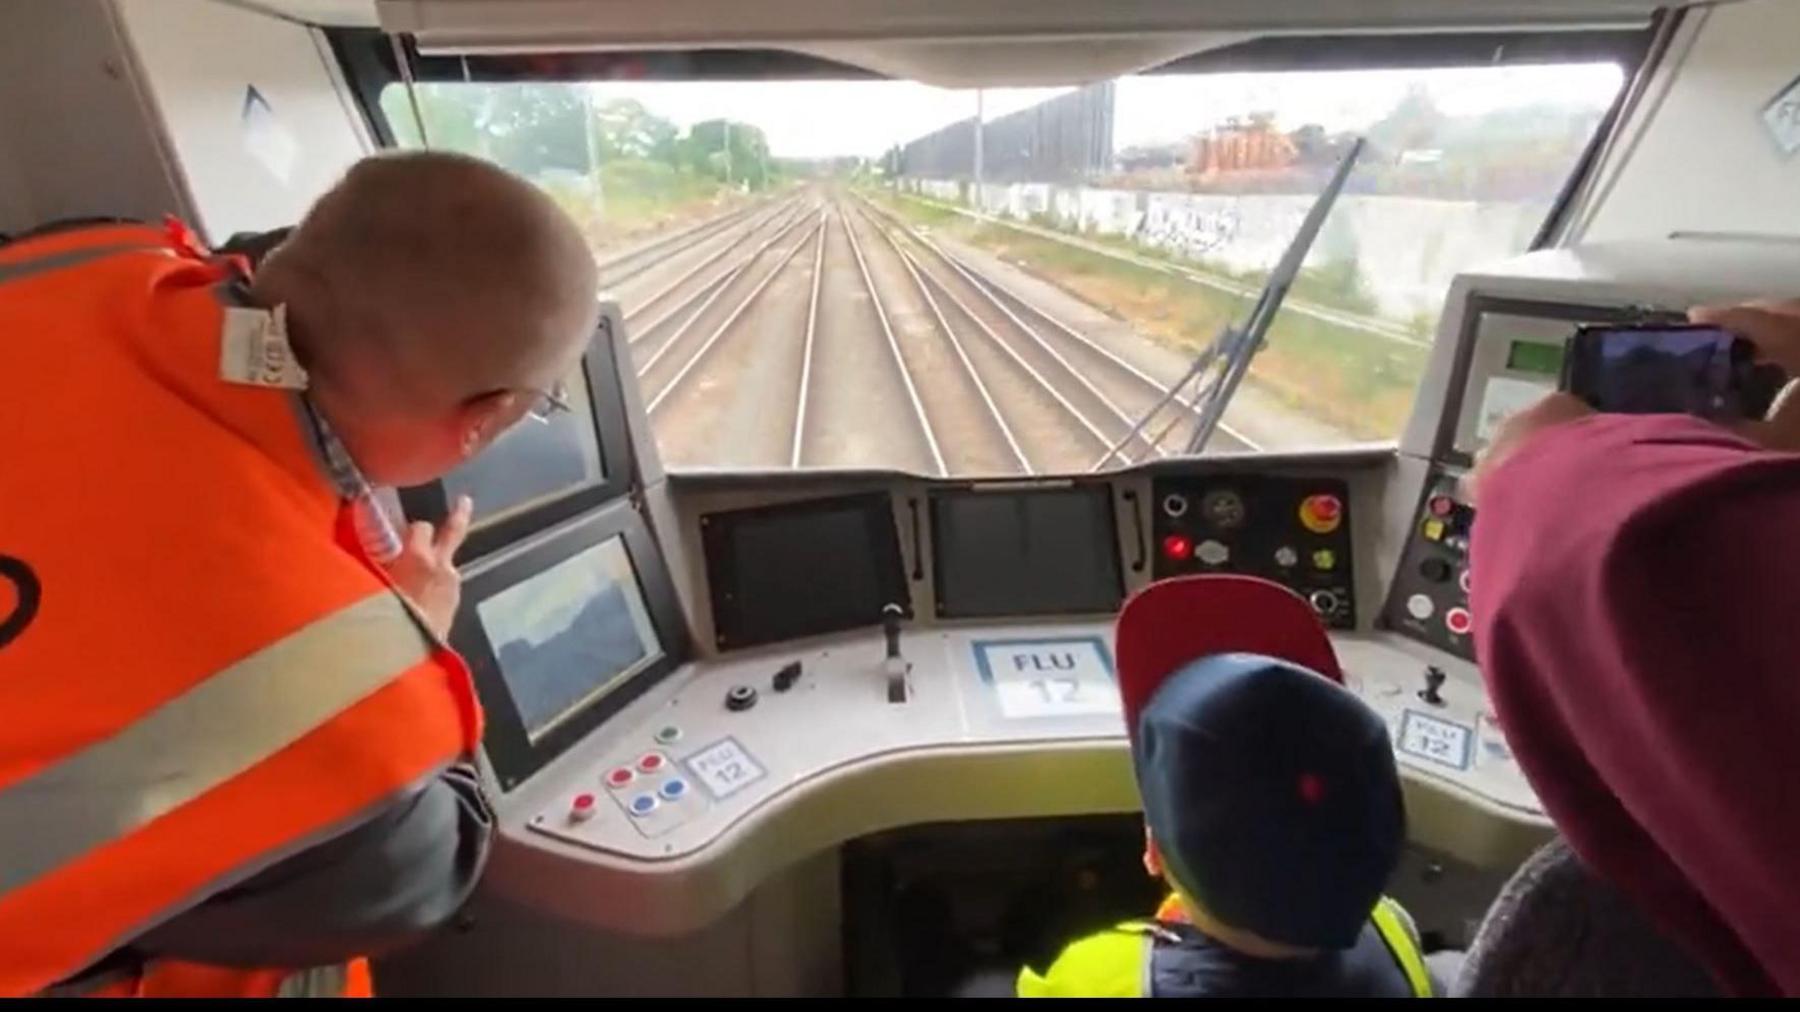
[[1271, 806]]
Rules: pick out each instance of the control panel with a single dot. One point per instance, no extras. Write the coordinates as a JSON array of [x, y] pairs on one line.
[[795, 749], [1295, 531], [1429, 598]]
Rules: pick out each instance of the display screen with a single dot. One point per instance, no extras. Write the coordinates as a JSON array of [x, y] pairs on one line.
[[802, 569], [1535, 357], [1693, 370], [534, 461], [569, 634], [1516, 360], [1038, 552]]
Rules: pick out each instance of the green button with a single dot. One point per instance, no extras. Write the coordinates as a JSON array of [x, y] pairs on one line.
[[669, 735]]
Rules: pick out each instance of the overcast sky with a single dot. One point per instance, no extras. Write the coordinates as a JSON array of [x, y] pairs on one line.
[[814, 119]]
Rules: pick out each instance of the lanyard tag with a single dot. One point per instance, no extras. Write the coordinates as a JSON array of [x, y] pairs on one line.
[[254, 350]]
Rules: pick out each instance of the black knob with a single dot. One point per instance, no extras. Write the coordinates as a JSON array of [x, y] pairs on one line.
[[1434, 680], [1435, 569], [787, 676], [740, 697]]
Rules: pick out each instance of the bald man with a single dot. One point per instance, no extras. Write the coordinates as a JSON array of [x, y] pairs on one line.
[[434, 301], [236, 737]]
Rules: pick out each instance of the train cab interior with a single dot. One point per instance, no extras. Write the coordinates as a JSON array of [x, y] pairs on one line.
[[932, 332]]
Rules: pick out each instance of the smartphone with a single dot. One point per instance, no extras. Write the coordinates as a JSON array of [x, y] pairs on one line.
[[1669, 369]]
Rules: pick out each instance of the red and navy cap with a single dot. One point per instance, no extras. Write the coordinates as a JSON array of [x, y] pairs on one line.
[[1270, 789]]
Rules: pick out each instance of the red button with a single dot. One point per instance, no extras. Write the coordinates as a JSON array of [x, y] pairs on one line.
[[1321, 514], [620, 777], [1458, 621], [1441, 505], [1178, 547], [581, 808], [651, 762]]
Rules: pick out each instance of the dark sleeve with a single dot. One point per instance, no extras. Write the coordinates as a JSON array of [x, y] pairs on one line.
[[1633, 589], [1558, 931], [253, 246], [378, 887]]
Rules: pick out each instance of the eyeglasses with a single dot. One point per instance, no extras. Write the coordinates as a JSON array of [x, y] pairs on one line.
[[550, 403]]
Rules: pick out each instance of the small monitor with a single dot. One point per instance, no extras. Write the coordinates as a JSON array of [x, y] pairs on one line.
[[562, 631], [534, 461], [570, 634], [1513, 353], [802, 569], [540, 473], [1047, 551]]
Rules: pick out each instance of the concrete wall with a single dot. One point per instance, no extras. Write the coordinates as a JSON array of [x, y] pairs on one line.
[[1406, 248]]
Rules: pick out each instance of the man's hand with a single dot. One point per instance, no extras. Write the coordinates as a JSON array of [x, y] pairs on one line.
[[1774, 327], [1555, 409], [425, 570]]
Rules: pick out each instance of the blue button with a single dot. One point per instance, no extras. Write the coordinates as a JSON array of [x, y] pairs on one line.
[[643, 804], [672, 789]]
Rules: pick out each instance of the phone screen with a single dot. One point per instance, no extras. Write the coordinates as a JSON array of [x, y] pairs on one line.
[[1691, 370]]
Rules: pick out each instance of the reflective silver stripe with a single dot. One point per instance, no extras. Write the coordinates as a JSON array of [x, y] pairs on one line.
[[68, 258], [213, 732], [318, 982]]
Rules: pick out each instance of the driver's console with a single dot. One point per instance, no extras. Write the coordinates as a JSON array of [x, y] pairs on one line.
[[699, 684], [790, 737]]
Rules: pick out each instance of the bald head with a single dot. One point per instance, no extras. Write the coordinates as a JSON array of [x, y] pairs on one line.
[[424, 281]]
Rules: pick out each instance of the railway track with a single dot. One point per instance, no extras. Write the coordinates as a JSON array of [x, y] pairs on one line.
[[818, 330], [623, 266]]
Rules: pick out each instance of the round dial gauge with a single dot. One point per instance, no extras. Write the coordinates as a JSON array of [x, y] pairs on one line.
[[1223, 509]]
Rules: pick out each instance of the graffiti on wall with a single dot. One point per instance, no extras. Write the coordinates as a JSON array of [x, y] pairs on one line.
[[1192, 233]]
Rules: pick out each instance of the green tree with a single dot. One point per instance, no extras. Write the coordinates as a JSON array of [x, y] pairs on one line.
[[535, 127], [704, 150], [452, 114], [625, 129]]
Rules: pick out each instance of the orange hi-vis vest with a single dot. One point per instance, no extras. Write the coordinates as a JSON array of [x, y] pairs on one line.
[[201, 670]]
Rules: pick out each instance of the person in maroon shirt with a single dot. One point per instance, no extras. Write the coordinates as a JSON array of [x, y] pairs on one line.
[[1634, 587]]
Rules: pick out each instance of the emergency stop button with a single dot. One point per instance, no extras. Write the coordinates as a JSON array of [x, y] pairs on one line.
[[1321, 514]]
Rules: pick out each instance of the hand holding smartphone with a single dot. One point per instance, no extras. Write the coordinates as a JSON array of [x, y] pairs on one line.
[[1691, 369]]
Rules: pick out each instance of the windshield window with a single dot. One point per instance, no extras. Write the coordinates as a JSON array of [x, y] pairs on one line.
[[887, 274]]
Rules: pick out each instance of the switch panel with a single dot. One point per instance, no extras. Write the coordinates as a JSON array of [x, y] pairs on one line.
[[1295, 531], [1429, 597]]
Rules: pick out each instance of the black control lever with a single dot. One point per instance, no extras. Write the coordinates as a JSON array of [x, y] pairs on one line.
[[895, 665], [1434, 680]]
